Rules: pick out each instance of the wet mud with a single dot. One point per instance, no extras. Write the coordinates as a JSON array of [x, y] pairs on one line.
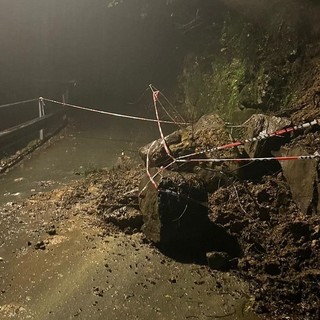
[[65, 255]]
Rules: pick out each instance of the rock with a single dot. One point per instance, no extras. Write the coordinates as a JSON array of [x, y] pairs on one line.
[[51, 230], [315, 244], [272, 268], [40, 245], [218, 260], [259, 125], [207, 133], [98, 291], [125, 217], [302, 177], [316, 232], [177, 211]]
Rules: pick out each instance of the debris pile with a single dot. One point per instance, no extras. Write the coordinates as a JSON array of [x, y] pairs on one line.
[[270, 208]]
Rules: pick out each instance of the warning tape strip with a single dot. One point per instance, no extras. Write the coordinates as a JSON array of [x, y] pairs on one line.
[[151, 179], [119, 115], [257, 138], [177, 114], [163, 140], [286, 158]]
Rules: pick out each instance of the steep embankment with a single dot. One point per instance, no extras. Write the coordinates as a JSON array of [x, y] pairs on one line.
[[265, 58], [251, 57]]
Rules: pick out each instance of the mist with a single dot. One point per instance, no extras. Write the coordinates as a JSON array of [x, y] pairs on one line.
[[159, 159], [112, 54]]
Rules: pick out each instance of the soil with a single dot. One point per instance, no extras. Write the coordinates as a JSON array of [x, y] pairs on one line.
[[280, 246], [77, 251], [64, 255]]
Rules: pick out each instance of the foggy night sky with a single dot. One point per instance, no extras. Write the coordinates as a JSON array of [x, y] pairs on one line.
[[113, 54]]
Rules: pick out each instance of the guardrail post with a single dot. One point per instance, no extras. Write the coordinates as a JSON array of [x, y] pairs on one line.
[[41, 114], [64, 100]]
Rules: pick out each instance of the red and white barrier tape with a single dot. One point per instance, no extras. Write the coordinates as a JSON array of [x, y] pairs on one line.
[[163, 140], [257, 138], [285, 158], [151, 179]]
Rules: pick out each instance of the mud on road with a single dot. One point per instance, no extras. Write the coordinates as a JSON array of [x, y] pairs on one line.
[[63, 258], [77, 252]]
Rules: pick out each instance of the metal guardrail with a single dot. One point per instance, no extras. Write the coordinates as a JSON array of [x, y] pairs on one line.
[[30, 127], [18, 137]]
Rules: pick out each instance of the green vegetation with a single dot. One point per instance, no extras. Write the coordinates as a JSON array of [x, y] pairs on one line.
[[254, 68]]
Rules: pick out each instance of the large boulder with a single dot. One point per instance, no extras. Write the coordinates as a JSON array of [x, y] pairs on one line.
[[206, 134], [176, 218], [302, 177], [177, 211], [260, 125]]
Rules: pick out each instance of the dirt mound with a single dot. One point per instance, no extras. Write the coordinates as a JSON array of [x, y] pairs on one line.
[[280, 246], [110, 194], [86, 268]]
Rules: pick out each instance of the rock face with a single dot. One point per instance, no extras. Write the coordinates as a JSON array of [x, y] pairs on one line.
[[176, 217], [177, 211], [303, 179], [259, 125]]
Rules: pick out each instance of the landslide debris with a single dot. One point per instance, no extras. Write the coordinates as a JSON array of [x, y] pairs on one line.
[[280, 246], [273, 213]]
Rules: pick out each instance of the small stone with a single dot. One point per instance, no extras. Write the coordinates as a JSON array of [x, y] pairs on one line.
[[316, 233], [218, 260], [173, 280], [272, 268], [40, 245], [98, 292], [51, 230]]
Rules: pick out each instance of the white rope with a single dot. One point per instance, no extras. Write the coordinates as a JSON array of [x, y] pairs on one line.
[[17, 103], [284, 158], [119, 115]]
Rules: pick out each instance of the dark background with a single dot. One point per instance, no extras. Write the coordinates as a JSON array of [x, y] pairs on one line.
[[111, 53]]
